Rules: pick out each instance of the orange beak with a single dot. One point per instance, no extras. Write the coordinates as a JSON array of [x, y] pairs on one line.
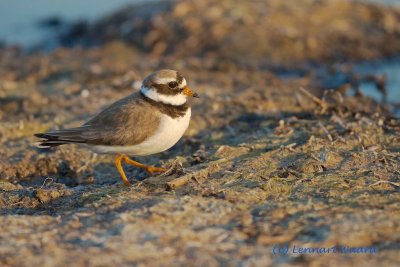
[[187, 91]]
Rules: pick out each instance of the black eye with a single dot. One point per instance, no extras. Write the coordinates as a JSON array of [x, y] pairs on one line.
[[172, 85]]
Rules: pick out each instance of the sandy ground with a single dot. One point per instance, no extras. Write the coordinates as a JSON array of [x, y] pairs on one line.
[[267, 161]]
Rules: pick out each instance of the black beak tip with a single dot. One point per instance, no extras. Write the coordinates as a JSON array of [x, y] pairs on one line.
[[196, 95]]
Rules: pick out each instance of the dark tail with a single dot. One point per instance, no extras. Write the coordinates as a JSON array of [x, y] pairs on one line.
[[57, 138]]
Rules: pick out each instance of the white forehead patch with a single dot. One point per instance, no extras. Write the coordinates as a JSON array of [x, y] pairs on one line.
[[183, 84], [175, 100]]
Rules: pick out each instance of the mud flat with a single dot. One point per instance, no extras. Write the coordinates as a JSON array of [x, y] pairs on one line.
[[266, 160]]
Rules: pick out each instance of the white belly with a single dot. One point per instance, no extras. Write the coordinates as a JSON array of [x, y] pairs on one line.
[[168, 134]]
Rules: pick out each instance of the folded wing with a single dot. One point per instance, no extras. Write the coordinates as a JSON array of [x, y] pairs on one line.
[[128, 121]]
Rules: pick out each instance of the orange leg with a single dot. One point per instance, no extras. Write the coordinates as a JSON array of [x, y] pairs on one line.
[[121, 170], [149, 169]]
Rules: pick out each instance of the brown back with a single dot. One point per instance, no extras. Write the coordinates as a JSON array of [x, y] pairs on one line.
[[128, 121]]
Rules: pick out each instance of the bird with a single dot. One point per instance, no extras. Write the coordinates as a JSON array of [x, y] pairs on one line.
[[146, 122]]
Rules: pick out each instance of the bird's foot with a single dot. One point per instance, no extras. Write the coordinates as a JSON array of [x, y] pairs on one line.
[[153, 169], [123, 158]]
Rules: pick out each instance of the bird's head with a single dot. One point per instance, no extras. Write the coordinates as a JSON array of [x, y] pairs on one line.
[[168, 87]]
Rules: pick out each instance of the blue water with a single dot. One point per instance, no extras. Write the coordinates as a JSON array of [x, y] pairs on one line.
[[389, 68], [19, 18]]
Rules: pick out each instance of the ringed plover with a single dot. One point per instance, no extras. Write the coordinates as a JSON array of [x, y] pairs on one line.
[[143, 123]]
